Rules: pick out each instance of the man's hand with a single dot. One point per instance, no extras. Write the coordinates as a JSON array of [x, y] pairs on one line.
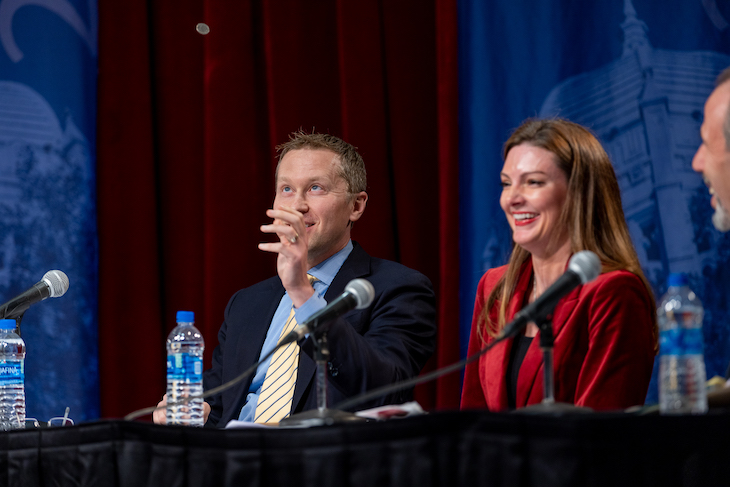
[[291, 263], [160, 415]]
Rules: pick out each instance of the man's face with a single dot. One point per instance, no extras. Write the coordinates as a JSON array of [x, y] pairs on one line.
[[713, 159], [309, 182]]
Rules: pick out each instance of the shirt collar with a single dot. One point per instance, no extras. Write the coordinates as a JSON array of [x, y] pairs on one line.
[[326, 270]]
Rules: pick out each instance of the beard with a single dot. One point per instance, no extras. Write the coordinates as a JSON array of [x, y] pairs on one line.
[[721, 218]]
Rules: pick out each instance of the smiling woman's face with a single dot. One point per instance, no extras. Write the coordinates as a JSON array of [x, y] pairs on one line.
[[534, 190]]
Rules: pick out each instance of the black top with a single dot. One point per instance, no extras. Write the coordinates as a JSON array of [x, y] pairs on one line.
[[516, 355]]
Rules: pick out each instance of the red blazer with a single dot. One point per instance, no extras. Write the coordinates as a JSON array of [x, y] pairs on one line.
[[603, 354]]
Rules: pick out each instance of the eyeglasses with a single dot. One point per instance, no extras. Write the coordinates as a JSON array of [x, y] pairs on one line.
[[55, 421]]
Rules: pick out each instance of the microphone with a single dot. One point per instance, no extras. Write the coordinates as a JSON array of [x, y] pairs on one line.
[[582, 268], [359, 293], [53, 285]]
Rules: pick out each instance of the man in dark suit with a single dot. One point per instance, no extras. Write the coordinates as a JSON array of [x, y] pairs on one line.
[[320, 193]]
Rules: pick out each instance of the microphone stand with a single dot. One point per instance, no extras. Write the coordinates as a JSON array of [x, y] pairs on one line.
[[18, 319], [548, 404], [322, 415]]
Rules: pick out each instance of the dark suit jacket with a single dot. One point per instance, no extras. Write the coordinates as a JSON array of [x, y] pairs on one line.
[[603, 353], [387, 342]]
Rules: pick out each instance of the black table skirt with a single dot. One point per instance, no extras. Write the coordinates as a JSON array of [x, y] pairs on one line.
[[445, 449]]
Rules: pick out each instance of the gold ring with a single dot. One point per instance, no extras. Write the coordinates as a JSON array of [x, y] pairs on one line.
[[294, 239]]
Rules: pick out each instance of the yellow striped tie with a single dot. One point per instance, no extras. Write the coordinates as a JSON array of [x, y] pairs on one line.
[[277, 391]]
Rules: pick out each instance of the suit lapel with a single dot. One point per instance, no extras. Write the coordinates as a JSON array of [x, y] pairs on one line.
[[564, 310], [249, 345], [531, 371], [356, 265], [498, 357]]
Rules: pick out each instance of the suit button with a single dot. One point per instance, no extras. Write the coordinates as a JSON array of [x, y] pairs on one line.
[[333, 370]]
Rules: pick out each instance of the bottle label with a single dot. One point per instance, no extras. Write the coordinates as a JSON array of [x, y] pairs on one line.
[[12, 372], [184, 366], [681, 341]]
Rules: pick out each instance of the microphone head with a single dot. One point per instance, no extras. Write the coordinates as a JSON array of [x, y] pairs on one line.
[[586, 264], [362, 290], [57, 282]]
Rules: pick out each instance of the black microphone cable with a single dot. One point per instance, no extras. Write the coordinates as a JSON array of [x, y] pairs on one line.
[[583, 267], [212, 392], [344, 405], [363, 293], [384, 390], [348, 403], [290, 337]]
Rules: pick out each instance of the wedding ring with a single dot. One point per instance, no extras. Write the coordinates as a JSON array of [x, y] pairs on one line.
[[294, 239]]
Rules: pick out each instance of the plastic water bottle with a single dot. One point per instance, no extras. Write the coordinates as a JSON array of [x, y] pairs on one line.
[[12, 377], [682, 376], [185, 371]]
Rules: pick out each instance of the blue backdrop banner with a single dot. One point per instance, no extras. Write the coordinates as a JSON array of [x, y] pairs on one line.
[[48, 52], [637, 73]]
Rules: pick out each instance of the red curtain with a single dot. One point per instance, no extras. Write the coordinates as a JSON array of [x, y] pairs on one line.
[[186, 133]]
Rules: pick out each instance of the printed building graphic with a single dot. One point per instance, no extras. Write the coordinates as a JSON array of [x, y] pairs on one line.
[[647, 108]]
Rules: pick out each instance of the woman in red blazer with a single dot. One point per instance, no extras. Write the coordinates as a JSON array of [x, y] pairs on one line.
[[560, 196]]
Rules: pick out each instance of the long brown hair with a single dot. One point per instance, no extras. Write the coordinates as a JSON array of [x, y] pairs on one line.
[[592, 213]]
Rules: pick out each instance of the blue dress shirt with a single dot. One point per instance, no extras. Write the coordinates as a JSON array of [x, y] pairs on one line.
[[325, 272]]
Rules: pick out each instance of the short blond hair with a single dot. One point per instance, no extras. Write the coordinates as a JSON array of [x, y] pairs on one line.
[[352, 166]]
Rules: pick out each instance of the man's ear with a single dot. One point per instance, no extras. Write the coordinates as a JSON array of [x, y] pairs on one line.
[[359, 201]]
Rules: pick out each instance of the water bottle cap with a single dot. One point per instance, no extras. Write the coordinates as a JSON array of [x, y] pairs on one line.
[[7, 324], [677, 279], [185, 317]]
